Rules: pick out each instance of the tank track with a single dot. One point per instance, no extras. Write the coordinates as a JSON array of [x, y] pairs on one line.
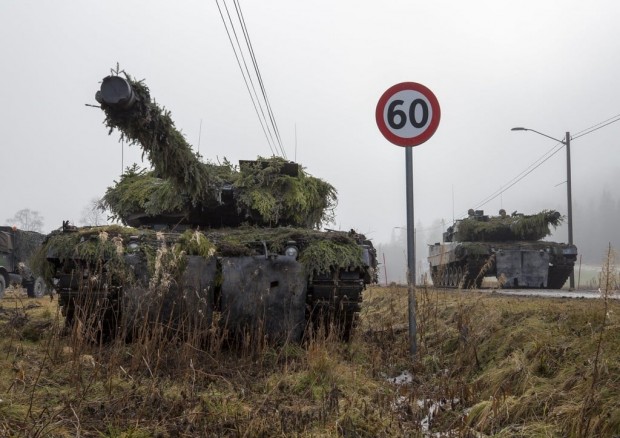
[[459, 275], [334, 301]]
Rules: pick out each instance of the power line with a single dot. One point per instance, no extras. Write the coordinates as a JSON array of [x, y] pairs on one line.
[[247, 72], [581, 133], [258, 75], [262, 107], [538, 162], [515, 181], [597, 128], [244, 76]]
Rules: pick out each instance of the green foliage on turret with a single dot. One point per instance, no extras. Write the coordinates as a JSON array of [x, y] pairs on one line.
[[181, 183], [300, 200], [139, 190], [505, 228]]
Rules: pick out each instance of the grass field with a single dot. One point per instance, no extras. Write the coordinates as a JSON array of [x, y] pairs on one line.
[[487, 365]]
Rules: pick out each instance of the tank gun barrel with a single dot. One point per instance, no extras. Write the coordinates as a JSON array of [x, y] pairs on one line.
[[128, 107]]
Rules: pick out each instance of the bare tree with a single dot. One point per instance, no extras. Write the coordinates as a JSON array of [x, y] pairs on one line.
[[27, 220], [93, 214]]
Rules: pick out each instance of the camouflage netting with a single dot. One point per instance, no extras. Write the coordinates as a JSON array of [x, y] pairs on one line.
[[180, 181], [508, 228], [320, 252]]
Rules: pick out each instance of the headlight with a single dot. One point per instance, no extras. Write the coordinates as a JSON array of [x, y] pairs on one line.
[[291, 251], [134, 244]]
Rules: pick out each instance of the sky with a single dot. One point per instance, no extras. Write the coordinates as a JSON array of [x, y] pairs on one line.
[[551, 66]]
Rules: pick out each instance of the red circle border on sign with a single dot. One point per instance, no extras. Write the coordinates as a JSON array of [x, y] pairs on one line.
[[413, 141]]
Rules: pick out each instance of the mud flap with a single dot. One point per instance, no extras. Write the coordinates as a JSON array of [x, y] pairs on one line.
[[522, 268], [264, 296]]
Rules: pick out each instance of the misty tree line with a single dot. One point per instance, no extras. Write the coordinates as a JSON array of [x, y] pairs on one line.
[[596, 224], [393, 255]]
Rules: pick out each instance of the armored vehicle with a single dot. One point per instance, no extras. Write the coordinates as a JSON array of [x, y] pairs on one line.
[[508, 247], [16, 248], [203, 244]]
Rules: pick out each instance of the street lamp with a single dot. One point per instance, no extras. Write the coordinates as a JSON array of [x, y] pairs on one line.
[[565, 142]]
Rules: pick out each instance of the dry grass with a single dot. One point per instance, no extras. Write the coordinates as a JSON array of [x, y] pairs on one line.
[[504, 366]]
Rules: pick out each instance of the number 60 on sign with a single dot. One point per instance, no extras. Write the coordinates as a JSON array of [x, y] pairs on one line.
[[408, 114]]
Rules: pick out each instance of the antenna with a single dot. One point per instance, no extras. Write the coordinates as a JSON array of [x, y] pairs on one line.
[[452, 203], [199, 134], [122, 155], [295, 142]]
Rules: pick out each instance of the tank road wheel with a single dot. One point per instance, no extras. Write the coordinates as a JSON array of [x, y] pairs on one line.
[[459, 277], [454, 279], [434, 276], [2, 286], [473, 276], [466, 283]]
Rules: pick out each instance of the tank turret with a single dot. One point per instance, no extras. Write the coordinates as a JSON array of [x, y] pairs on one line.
[[206, 246], [181, 189], [478, 227], [508, 247]]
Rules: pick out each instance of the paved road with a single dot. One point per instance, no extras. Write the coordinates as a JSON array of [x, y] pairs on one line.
[[555, 293]]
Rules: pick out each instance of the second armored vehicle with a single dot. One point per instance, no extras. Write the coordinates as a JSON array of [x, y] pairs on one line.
[[506, 247], [16, 248]]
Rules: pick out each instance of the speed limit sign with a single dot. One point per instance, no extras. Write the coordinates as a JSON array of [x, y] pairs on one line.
[[408, 114]]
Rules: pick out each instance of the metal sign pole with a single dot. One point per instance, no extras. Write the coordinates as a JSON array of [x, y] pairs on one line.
[[410, 253], [408, 114]]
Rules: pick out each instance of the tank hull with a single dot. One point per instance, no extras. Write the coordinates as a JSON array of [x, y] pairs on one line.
[[123, 283], [533, 264]]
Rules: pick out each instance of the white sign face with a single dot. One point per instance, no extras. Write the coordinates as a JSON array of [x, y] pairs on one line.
[[408, 114]]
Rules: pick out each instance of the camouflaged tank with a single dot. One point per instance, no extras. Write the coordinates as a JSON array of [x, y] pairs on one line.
[[508, 247], [206, 246]]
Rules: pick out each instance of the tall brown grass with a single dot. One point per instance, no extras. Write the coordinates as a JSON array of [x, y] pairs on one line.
[[486, 364]]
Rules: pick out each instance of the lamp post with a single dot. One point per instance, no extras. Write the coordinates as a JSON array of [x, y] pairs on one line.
[[569, 199]]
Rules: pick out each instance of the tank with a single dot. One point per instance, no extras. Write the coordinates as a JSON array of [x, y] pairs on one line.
[[508, 247], [200, 245]]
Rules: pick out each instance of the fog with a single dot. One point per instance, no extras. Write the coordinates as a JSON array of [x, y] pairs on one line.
[[546, 65]]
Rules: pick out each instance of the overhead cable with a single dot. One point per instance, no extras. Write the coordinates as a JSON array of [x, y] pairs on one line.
[[544, 158], [259, 76], [599, 126], [245, 79], [261, 104]]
